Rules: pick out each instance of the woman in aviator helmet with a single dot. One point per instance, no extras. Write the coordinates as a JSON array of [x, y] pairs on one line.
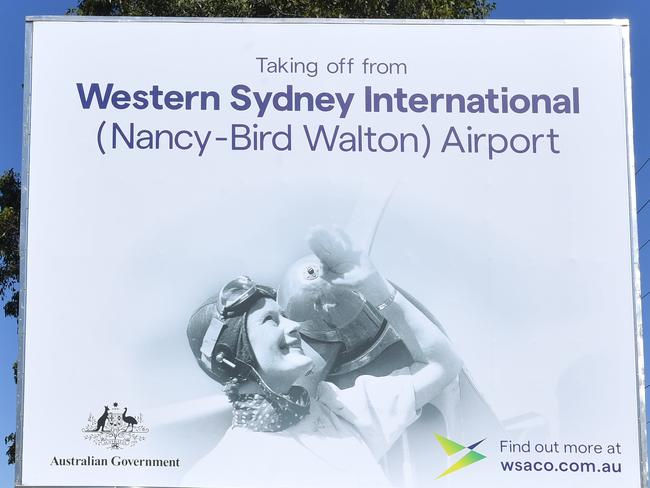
[[289, 427], [242, 314]]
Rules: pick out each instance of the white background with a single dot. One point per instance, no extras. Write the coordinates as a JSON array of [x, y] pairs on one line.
[[525, 259]]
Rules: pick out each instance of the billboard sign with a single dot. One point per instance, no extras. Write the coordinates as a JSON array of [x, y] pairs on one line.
[[309, 253]]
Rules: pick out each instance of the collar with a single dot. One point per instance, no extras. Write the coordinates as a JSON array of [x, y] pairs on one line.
[[269, 412]]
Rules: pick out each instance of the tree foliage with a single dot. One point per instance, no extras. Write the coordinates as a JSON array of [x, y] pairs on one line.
[[10, 442], [10, 261], [379, 9], [9, 240]]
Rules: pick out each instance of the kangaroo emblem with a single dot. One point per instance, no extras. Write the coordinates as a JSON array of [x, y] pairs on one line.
[[115, 429], [101, 421]]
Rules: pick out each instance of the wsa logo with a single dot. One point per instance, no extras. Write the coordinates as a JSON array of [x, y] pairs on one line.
[[451, 447]]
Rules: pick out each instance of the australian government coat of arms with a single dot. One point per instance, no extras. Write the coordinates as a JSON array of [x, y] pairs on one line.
[[115, 428]]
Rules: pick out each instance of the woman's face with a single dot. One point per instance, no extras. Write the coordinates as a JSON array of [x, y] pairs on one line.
[[277, 345]]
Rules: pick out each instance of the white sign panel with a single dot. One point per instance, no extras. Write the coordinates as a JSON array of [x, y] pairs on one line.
[[468, 310]]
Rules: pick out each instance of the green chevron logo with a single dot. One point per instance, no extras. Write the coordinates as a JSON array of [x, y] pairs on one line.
[[451, 447]]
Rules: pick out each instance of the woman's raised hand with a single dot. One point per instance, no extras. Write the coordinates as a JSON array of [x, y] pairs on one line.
[[343, 265]]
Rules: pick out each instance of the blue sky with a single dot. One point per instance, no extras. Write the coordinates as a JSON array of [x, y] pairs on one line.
[[11, 60]]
